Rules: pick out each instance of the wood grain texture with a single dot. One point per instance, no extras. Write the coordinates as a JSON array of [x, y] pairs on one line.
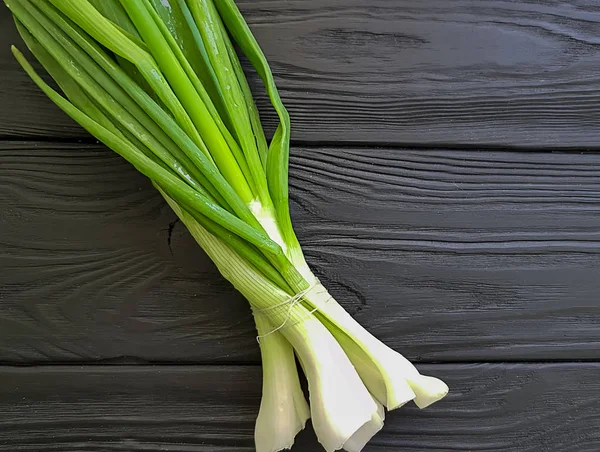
[[445, 255], [441, 72], [88, 272], [492, 408]]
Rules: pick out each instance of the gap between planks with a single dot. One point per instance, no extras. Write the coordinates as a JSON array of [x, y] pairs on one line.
[[136, 362], [399, 146]]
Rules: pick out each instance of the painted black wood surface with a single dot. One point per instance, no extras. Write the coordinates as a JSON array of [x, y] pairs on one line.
[[446, 255], [422, 72], [445, 186], [492, 407]]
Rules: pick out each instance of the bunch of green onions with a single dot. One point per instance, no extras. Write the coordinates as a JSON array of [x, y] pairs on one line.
[[161, 84]]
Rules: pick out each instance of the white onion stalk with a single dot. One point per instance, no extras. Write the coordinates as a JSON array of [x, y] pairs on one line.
[[364, 434], [392, 378], [340, 404], [343, 362], [283, 409]]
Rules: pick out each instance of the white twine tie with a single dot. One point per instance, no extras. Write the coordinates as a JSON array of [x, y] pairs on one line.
[[290, 303]]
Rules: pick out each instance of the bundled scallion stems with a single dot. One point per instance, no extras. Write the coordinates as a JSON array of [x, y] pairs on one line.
[[160, 83]]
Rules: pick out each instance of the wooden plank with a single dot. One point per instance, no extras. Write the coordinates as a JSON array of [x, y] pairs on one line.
[[491, 407], [445, 255], [88, 272], [439, 72]]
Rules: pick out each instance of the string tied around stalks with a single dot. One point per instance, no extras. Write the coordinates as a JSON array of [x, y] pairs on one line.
[[289, 305]]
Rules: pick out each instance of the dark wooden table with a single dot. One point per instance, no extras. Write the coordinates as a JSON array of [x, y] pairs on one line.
[[445, 182]]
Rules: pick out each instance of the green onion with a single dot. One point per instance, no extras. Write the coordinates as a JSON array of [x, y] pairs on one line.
[[160, 83]]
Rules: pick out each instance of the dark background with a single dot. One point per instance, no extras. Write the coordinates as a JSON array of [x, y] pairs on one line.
[[445, 183]]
